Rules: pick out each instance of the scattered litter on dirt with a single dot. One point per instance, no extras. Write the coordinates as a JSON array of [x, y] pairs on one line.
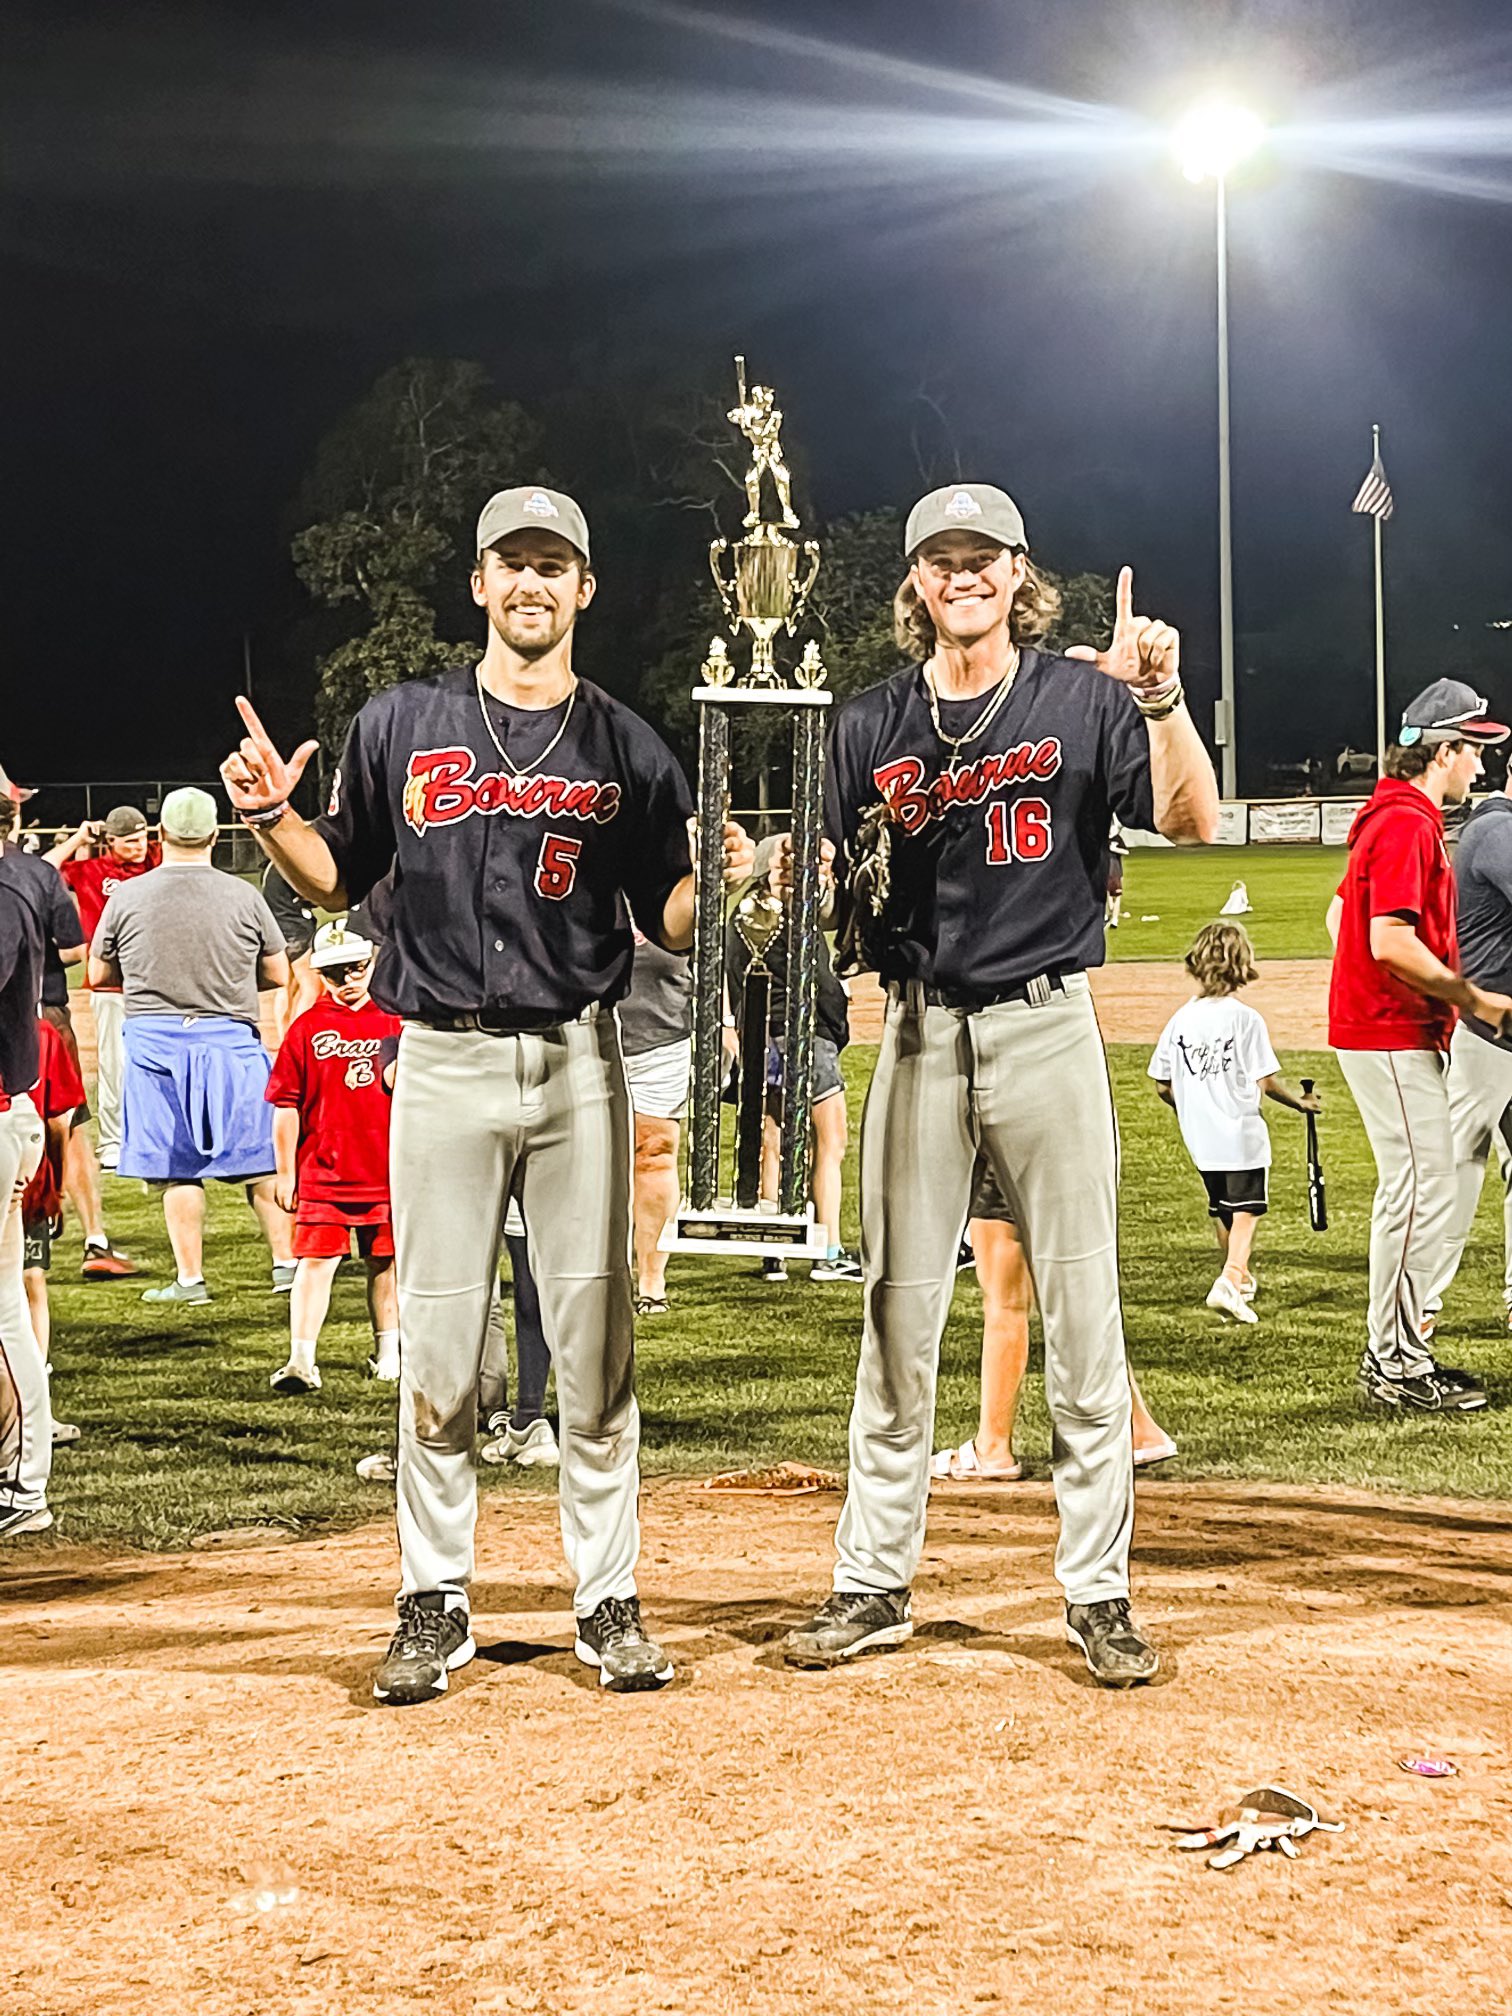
[[1429, 1767], [1269, 1817], [783, 1480]]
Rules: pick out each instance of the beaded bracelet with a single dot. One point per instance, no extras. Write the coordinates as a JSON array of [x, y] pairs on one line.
[[1162, 703], [269, 816]]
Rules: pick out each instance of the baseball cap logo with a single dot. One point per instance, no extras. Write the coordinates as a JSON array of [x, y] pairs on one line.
[[539, 505], [963, 505]]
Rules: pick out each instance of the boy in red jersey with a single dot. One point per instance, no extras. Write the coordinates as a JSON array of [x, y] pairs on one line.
[[330, 1137], [58, 1090]]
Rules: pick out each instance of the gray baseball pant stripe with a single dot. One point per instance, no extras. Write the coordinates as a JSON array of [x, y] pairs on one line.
[[1030, 1085], [1404, 1104], [469, 1109], [26, 1454], [109, 1012], [1480, 1114]]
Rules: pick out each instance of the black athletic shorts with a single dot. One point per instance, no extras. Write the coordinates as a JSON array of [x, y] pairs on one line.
[[987, 1200], [1231, 1190], [37, 1235]]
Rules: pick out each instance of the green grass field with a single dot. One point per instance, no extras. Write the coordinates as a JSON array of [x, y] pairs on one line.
[[183, 1437], [1183, 888]]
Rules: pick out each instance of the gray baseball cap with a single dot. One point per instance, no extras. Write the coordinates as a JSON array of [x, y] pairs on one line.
[[123, 822], [532, 509], [1448, 711], [189, 814], [966, 507]]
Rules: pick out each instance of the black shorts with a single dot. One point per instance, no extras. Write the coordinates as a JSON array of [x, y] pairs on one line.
[[987, 1200], [37, 1236], [1231, 1190]]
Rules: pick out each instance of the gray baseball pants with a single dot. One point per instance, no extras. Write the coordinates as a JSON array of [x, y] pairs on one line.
[[109, 1010], [1028, 1084], [1404, 1103], [471, 1111], [1480, 1116], [26, 1446]]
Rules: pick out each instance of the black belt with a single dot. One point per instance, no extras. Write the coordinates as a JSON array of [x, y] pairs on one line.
[[968, 1000], [497, 1022]]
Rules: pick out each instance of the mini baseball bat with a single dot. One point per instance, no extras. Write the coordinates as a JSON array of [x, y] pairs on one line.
[[1317, 1192]]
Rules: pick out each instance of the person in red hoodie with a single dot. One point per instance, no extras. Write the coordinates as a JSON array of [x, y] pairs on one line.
[[331, 1138], [59, 1090], [1392, 1001]]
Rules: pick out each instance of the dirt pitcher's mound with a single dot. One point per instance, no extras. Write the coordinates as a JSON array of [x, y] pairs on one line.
[[205, 1811]]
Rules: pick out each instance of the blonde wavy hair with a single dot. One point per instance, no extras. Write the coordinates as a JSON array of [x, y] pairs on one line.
[[1035, 608], [1222, 959]]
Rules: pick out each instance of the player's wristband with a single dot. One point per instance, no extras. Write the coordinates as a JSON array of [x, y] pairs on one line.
[[1162, 702], [269, 816]]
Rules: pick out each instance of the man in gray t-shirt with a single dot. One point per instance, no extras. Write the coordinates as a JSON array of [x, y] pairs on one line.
[[1480, 1062], [190, 948]]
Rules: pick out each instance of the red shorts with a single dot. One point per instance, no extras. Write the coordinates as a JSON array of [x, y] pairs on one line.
[[324, 1231]]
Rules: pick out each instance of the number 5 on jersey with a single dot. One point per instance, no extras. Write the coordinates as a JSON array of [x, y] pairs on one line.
[[556, 871], [1018, 832]]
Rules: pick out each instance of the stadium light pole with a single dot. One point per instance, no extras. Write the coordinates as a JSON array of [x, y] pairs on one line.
[[1211, 141]]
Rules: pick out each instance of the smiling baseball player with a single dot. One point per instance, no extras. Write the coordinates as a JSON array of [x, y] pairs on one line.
[[1000, 767], [518, 808]]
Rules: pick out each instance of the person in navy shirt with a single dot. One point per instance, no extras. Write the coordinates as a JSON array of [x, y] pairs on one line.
[[994, 768], [514, 808]]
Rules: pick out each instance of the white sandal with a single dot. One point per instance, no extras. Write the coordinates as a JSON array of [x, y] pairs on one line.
[[963, 1466]]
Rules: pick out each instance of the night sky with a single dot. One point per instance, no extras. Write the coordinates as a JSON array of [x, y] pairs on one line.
[[952, 235]]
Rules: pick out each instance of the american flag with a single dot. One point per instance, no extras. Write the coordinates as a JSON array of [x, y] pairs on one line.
[[1374, 494]]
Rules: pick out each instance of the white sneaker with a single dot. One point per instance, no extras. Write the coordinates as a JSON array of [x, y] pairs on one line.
[[532, 1448], [296, 1378], [1247, 1287], [1228, 1299], [379, 1469], [64, 1432]]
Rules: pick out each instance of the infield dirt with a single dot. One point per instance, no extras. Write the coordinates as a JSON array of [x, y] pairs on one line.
[[969, 1823]]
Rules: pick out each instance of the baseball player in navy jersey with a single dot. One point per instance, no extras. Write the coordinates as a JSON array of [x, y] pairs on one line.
[[518, 807], [1000, 767]]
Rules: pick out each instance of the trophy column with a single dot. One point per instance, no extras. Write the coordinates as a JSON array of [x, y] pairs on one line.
[[764, 593]]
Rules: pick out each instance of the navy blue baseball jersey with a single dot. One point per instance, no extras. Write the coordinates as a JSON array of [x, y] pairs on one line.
[[508, 890], [999, 863]]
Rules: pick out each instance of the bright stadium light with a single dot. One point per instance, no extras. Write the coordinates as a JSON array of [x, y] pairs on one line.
[[1214, 138]]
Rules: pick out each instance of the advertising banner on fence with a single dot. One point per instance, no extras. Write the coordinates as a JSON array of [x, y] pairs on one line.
[[1289, 819], [1233, 822], [1338, 817]]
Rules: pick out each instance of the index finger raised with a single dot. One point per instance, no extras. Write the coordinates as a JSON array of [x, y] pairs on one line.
[[1125, 602], [255, 727]]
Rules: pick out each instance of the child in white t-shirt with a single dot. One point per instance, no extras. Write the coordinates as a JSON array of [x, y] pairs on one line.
[[1212, 1063]]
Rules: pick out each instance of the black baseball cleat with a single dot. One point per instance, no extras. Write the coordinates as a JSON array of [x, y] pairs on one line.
[[848, 1623], [430, 1644], [1439, 1390], [614, 1640], [1116, 1654]]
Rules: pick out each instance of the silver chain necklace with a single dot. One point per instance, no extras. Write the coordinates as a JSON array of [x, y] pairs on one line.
[[572, 693], [984, 720]]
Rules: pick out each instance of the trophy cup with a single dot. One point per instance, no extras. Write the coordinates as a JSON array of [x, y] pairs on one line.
[[764, 581]]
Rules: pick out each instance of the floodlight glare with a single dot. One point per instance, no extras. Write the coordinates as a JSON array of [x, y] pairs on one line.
[[1214, 138]]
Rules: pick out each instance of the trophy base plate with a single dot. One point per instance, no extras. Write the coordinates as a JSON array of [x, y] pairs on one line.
[[725, 1228]]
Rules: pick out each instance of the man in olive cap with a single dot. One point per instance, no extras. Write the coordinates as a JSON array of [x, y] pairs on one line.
[[190, 947]]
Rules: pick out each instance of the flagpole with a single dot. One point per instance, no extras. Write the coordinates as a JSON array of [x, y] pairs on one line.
[[1380, 634]]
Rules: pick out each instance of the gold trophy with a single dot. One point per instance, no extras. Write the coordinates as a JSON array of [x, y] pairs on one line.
[[764, 581]]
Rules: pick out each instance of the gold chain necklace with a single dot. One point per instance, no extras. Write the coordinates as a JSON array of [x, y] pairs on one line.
[[572, 693], [956, 743]]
